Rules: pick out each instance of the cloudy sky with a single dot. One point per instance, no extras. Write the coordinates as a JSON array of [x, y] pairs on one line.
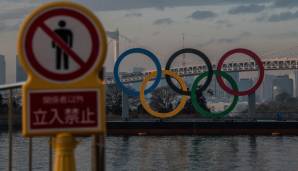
[[215, 26]]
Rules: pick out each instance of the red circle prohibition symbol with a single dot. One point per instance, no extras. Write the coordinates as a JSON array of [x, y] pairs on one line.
[[39, 22], [252, 55]]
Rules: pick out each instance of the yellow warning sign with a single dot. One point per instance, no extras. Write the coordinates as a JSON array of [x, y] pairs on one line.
[[62, 46]]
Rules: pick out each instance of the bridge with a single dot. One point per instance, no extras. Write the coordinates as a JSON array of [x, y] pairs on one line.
[[281, 59], [269, 64]]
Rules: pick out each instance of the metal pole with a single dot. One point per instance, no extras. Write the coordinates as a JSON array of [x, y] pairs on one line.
[[30, 155], [102, 152], [98, 153], [50, 154], [125, 107], [10, 119], [98, 142], [252, 105]]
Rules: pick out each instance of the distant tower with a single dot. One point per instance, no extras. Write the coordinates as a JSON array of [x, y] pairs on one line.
[[116, 45], [115, 37], [183, 59], [20, 73], [2, 69]]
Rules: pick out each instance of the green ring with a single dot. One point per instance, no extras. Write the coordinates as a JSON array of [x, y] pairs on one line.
[[196, 104]]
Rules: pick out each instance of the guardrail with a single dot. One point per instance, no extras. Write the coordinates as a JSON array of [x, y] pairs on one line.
[[97, 146], [9, 88]]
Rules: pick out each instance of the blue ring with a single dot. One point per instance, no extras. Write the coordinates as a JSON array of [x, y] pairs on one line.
[[129, 91]]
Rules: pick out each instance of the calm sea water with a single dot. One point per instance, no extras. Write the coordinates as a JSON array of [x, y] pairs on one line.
[[169, 153]]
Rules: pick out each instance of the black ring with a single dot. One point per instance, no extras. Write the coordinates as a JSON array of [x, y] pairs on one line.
[[199, 54]]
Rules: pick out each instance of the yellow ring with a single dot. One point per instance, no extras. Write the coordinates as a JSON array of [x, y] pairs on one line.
[[146, 105]]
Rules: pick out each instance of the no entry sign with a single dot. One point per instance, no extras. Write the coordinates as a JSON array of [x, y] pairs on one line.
[[63, 109], [62, 44]]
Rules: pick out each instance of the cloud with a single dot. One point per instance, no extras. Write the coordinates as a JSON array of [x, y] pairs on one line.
[[283, 35], [134, 14], [226, 40], [262, 18], [12, 14], [285, 3], [253, 8], [156, 33], [14, 10], [163, 21], [110, 5], [234, 39], [12, 25], [283, 16], [224, 23], [201, 15]]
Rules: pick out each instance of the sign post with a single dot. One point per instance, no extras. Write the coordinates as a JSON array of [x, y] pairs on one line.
[[62, 46]]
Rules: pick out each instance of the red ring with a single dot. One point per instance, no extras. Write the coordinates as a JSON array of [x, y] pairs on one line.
[[258, 61]]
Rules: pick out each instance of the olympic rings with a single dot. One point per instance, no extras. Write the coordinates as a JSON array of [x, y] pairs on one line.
[[149, 54], [258, 62], [183, 90], [146, 105], [199, 54], [200, 109]]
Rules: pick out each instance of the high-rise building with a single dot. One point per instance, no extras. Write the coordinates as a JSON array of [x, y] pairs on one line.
[[2, 69], [267, 87], [282, 84], [218, 91], [296, 83], [20, 73], [245, 84], [235, 76]]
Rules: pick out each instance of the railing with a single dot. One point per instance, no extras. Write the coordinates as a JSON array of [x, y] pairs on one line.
[[10, 88]]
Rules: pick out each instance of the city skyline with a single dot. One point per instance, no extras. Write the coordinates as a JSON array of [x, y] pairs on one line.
[[213, 27], [213, 83]]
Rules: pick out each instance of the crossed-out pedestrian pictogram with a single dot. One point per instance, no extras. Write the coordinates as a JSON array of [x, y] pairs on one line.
[[63, 42]]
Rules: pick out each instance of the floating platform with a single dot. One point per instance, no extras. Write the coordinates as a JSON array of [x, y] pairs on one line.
[[161, 128], [193, 127]]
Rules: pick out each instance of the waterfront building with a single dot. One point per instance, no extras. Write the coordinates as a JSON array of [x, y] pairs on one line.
[[296, 83], [267, 87], [2, 70], [20, 73], [245, 84], [282, 84]]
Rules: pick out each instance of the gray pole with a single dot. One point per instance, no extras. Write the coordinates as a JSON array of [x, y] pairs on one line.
[[125, 108], [98, 153], [252, 106], [30, 155], [98, 142], [50, 153], [10, 119]]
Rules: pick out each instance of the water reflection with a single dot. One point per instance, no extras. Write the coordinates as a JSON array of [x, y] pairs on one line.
[[169, 153]]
